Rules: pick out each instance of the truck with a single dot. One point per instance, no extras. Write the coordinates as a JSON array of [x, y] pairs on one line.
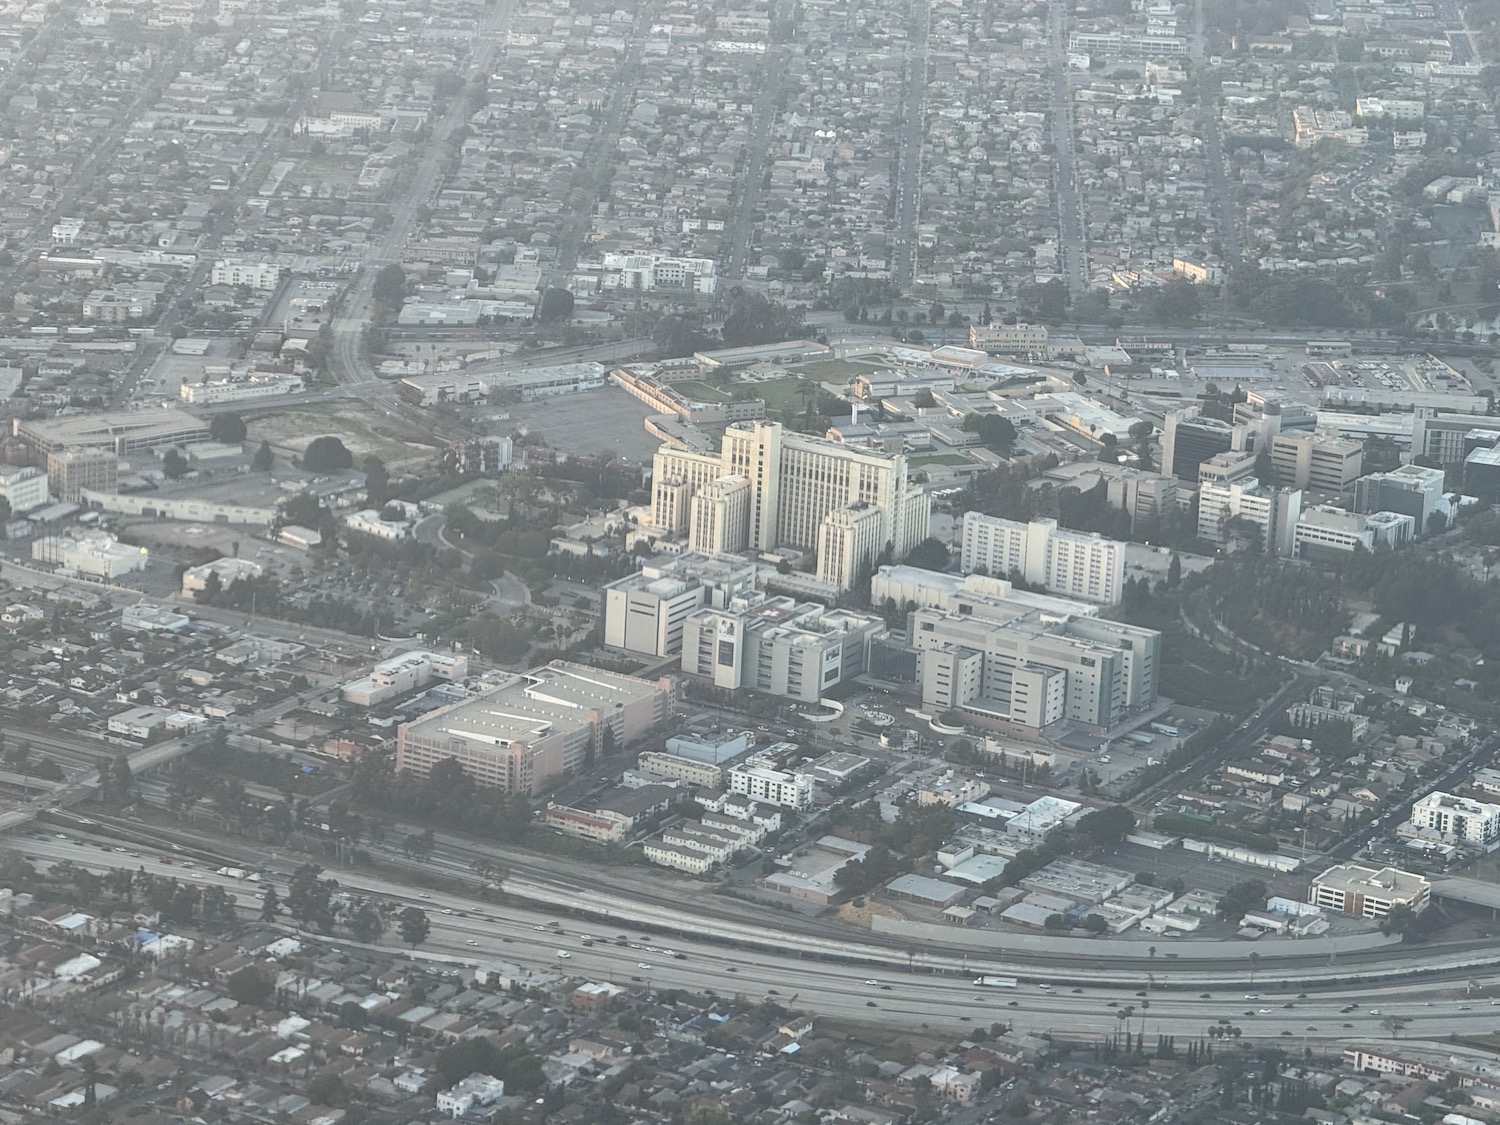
[[1140, 738], [232, 872], [1166, 729], [995, 982]]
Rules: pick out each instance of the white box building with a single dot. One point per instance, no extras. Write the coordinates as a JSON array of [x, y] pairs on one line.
[[775, 787], [1458, 820], [1074, 564]]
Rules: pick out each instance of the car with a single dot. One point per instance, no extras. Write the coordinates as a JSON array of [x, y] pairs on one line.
[[61, 835], [872, 982], [427, 897], [1286, 1033], [1310, 1027], [1140, 994], [1249, 1011], [1077, 991], [979, 999], [1113, 1004], [1301, 996], [588, 944], [635, 978], [1264, 1012], [679, 956], [447, 911], [1289, 1004], [1014, 1004], [470, 941], [1205, 996], [1374, 1011], [563, 954], [871, 1004], [1223, 1022], [642, 965], [1348, 1025], [538, 928], [772, 992], [885, 988], [731, 968]]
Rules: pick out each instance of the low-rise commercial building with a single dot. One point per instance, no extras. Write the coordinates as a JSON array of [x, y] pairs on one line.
[[138, 722], [406, 673], [196, 579], [1367, 892], [1324, 531], [97, 555], [599, 825], [681, 769]]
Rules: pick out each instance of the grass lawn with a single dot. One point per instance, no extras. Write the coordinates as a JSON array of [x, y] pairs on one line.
[[779, 393], [827, 369], [700, 391]]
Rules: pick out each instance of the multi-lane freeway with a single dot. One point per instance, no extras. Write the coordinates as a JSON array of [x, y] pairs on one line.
[[908, 178], [467, 932]]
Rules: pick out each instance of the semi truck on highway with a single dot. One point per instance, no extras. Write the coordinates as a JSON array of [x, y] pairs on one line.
[[995, 982]]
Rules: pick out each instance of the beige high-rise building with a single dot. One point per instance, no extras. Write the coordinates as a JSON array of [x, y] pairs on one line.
[[69, 471], [768, 487]]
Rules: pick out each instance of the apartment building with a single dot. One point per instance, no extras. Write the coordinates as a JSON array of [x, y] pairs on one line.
[[647, 272], [264, 276], [1073, 564], [1365, 892], [536, 727], [644, 612], [1458, 820], [774, 488], [1410, 489], [704, 774], [778, 646], [773, 786], [1306, 459]]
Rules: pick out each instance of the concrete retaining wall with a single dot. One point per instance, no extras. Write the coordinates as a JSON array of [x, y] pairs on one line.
[[1167, 949]]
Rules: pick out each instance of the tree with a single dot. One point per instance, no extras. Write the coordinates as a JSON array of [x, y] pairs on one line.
[[228, 428], [557, 304], [118, 780], [5, 510], [174, 464], [377, 481], [250, 986], [263, 459], [754, 319], [1105, 827], [414, 926], [930, 554], [996, 431], [389, 288], [270, 906], [327, 1089], [326, 454], [308, 898], [1248, 894], [1398, 919], [366, 924], [1095, 924]]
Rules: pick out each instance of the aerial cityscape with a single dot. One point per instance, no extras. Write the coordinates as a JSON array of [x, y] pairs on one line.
[[773, 561]]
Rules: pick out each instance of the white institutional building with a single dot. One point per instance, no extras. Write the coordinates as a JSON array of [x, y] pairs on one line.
[[768, 487], [1073, 564]]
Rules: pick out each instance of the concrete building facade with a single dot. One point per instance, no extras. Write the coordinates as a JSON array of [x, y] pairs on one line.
[[1073, 564]]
